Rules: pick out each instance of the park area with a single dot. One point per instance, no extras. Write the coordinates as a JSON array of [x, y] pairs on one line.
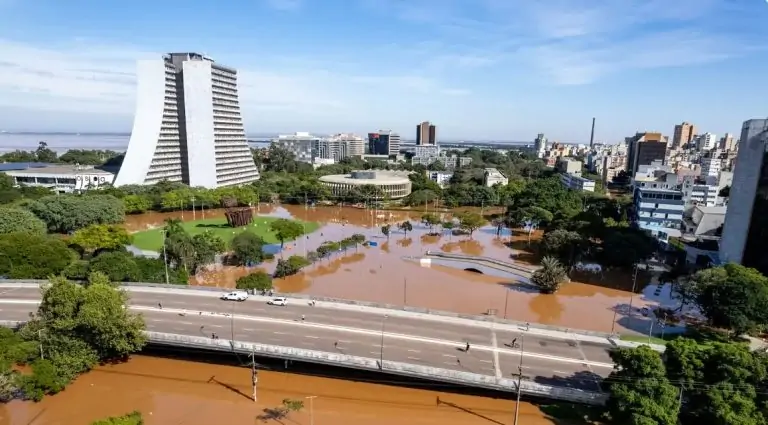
[[152, 239]]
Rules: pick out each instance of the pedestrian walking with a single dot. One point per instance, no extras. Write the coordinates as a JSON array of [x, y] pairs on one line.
[[336, 344], [527, 326], [467, 349], [160, 306], [302, 317]]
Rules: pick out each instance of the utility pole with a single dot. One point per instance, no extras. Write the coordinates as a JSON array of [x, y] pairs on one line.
[[632, 295], [381, 352], [311, 409], [40, 338], [405, 291], [165, 256], [254, 373], [519, 378]]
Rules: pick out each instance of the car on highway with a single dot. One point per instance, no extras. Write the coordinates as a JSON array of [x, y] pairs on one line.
[[235, 296], [281, 301]]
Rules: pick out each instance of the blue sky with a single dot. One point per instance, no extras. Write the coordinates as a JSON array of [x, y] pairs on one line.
[[501, 69]]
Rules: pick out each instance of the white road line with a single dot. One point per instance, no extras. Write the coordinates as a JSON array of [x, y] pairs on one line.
[[449, 355], [311, 336], [393, 335], [340, 341], [495, 342], [279, 333], [414, 358], [450, 363], [561, 372], [375, 352], [248, 329], [487, 361], [415, 351], [214, 326]]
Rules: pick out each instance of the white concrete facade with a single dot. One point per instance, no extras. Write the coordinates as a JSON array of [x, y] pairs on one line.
[[187, 127], [752, 148]]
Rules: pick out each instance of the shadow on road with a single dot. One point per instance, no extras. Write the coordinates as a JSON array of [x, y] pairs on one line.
[[584, 380], [463, 409]]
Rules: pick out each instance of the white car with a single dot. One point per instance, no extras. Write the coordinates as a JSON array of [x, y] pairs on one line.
[[235, 296], [281, 301]]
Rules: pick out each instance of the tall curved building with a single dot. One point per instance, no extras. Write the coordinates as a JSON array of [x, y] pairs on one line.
[[187, 127]]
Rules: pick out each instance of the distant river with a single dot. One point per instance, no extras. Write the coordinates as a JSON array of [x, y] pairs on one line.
[[63, 142]]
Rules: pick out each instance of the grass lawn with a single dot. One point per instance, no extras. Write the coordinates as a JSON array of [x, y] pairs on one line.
[[152, 240], [654, 339]]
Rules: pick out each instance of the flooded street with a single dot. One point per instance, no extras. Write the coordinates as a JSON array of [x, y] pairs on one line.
[[382, 273], [185, 393]]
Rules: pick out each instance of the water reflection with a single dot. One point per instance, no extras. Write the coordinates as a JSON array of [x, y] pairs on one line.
[[380, 273], [186, 393]]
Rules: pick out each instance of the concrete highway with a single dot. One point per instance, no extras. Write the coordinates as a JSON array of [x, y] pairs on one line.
[[359, 333]]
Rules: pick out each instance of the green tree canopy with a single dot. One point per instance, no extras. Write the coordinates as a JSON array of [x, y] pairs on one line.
[[133, 418], [733, 297], [258, 280], [469, 222], [67, 213], [101, 236], [20, 220], [286, 230], [247, 248], [639, 391], [550, 276], [30, 256]]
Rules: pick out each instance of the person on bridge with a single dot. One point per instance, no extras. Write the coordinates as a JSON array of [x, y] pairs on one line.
[[514, 342], [467, 349], [160, 306], [302, 317]]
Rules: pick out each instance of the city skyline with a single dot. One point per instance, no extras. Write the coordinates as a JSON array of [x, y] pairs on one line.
[[477, 69]]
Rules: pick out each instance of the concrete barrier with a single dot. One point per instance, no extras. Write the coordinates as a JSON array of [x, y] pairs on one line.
[[418, 310]]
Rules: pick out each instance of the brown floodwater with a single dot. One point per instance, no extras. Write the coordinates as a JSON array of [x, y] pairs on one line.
[[186, 393], [382, 274]]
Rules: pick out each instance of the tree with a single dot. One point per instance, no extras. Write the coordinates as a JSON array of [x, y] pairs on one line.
[[286, 229], [20, 220], [639, 391], [291, 266], [247, 248], [406, 227], [67, 213], [448, 225], [258, 280], [133, 418], [564, 245], [30, 256], [357, 239], [733, 297], [550, 276], [625, 247], [385, 230], [118, 266], [281, 412], [430, 220], [101, 236], [470, 222], [206, 245]]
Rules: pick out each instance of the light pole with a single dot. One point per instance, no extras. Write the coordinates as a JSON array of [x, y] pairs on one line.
[[519, 377], [194, 217], [165, 256], [311, 409], [381, 351], [632, 295], [506, 301], [405, 291]]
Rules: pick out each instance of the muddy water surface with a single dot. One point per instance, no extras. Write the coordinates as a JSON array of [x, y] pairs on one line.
[[185, 393], [384, 274]]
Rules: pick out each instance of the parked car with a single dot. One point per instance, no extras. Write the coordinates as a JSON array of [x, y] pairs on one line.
[[281, 301], [235, 296]]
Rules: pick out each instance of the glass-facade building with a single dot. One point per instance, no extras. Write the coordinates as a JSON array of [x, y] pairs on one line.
[[745, 232], [659, 211]]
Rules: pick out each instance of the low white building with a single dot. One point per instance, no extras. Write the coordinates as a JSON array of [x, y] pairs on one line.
[[442, 178], [579, 183], [493, 176], [63, 178]]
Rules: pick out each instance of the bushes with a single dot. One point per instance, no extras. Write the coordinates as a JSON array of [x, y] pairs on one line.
[[259, 281], [67, 213], [20, 220], [291, 266], [29, 256]]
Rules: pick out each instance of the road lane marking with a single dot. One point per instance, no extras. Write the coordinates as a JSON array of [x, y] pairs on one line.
[[414, 358], [487, 361], [375, 352], [248, 329], [449, 355], [495, 342], [311, 336], [340, 341], [434, 341], [279, 333], [415, 351]]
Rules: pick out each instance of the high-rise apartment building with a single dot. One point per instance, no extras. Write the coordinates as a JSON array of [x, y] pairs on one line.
[[727, 143], [540, 145], [706, 142], [187, 127], [645, 149], [745, 232], [340, 146], [385, 142], [683, 134], [303, 145], [426, 134]]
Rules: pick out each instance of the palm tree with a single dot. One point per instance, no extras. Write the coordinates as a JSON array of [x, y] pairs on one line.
[[406, 227], [550, 276]]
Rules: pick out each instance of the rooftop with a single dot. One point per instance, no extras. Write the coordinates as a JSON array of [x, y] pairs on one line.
[[368, 177], [712, 210], [58, 170]]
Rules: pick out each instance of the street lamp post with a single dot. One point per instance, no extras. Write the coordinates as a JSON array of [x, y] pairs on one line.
[[506, 301], [632, 295], [165, 256], [519, 378], [405, 291], [381, 347]]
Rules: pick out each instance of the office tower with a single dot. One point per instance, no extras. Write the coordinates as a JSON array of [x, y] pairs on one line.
[[385, 142], [340, 146], [301, 144], [711, 166], [706, 142], [592, 135], [187, 127], [426, 134], [644, 149], [745, 233], [683, 134]]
